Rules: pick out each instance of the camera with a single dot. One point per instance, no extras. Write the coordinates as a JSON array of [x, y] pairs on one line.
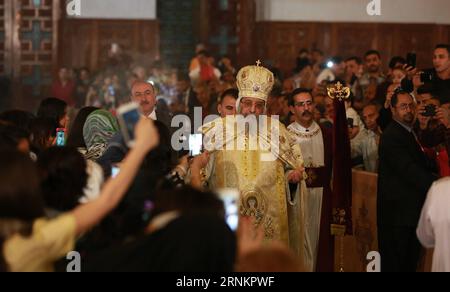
[[430, 111]]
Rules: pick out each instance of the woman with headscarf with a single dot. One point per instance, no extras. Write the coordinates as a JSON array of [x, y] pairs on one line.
[[99, 128]]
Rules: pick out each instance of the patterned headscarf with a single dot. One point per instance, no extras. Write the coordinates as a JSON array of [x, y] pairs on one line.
[[99, 128]]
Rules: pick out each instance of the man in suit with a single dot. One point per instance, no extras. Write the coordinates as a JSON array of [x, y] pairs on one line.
[[405, 176]]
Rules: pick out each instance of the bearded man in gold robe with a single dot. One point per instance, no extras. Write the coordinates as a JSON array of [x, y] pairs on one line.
[[256, 155]]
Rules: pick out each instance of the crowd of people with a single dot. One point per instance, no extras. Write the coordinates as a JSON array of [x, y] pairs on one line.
[[160, 212]]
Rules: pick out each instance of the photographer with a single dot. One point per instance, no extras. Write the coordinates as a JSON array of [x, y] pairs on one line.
[[438, 77], [434, 128]]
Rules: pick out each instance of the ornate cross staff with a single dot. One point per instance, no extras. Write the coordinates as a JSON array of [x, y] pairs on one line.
[[338, 92], [341, 220]]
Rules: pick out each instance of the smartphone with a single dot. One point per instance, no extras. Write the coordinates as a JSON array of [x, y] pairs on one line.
[[128, 115], [230, 199], [60, 137], [115, 171], [111, 90], [195, 144], [426, 77], [411, 60]]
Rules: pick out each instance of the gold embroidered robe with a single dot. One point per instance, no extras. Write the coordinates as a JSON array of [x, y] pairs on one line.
[[260, 174]]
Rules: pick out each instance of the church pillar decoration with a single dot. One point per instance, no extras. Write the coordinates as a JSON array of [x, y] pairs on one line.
[[28, 47]]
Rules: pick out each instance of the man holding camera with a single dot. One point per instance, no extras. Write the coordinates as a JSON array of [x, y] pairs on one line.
[[434, 127], [438, 78]]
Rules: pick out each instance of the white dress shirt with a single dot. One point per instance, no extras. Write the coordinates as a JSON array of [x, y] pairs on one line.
[[434, 224]]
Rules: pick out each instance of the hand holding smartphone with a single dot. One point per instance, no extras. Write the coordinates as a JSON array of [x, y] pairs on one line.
[[128, 115], [60, 137], [195, 144], [230, 199]]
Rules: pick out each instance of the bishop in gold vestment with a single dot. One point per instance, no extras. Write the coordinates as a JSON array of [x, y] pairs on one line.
[[259, 160]]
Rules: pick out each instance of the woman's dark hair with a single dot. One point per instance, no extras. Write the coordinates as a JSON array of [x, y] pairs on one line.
[[10, 137], [76, 133], [160, 158], [42, 130], [18, 118], [20, 201], [155, 168], [187, 200], [396, 60], [52, 108], [63, 177]]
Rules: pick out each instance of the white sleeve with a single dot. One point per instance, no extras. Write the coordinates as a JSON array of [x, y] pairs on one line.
[[425, 232], [217, 73], [326, 74], [195, 74], [94, 183], [322, 76]]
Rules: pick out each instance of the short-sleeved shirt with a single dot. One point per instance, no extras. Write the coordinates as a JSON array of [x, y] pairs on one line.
[[50, 241]]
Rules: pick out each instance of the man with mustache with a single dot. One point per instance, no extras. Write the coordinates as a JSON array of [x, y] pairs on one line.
[[405, 176], [316, 145], [256, 155], [144, 94]]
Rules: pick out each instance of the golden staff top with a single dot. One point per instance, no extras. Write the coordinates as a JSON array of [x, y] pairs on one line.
[[338, 91]]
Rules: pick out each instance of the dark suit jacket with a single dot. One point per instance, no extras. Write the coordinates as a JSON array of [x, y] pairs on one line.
[[404, 179]]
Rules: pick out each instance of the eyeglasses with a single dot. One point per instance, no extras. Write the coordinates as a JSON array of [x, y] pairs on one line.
[[249, 104]]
